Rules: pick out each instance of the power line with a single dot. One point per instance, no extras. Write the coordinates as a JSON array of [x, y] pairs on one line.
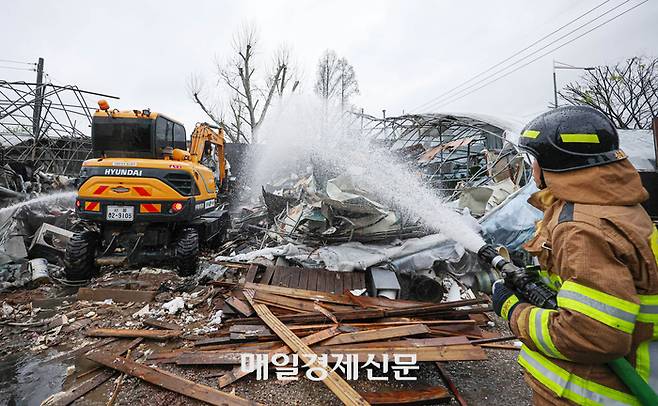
[[444, 99], [15, 68], [543, 55], [19, 62], [510, 57]]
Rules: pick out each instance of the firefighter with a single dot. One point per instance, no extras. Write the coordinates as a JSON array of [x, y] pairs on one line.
[[595, 246]]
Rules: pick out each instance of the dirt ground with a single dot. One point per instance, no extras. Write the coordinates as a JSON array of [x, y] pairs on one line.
[[37, 361]]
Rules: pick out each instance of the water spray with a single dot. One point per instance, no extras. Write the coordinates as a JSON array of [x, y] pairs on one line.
[[40, 199], [306, 129]]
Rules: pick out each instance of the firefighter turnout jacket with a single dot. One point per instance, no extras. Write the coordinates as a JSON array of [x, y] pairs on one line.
[[596, 247]]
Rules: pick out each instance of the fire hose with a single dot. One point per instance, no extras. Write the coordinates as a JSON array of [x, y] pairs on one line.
[[529, 286]]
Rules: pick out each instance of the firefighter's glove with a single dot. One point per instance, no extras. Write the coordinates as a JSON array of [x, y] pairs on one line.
[[504, 300]]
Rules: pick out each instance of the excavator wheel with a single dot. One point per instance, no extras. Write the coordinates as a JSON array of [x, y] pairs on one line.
[[187, 252], [80, 255]]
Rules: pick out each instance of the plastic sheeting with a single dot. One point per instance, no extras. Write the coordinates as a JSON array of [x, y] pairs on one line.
[[411, 254], [408, 255], [267, 253], [513, 222]]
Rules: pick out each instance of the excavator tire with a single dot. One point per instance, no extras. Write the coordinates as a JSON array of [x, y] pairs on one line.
[[80, 256], [187, 252]]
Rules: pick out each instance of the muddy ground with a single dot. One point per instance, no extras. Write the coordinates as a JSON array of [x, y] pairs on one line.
[[39, 360]]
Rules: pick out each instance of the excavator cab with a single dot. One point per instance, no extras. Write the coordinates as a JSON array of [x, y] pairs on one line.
[[145, 196], [137, 134]]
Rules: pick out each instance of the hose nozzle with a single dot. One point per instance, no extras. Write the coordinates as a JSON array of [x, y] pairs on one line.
[[487, 253]]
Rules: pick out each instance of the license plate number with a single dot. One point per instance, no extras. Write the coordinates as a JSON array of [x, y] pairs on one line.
[[120, 213]]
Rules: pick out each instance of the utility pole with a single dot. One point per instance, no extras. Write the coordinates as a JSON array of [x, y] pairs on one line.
[[38, 101], [36, 111], [554, 87]]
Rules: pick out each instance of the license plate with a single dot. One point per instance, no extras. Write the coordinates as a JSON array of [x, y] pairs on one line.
[[120, 213]]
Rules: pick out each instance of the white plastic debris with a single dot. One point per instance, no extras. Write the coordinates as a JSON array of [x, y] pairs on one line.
[[108, 301], [454, 294], [70, 370], [144, 311], [7, 310], [175, 305], [217, 318], [357, 292]]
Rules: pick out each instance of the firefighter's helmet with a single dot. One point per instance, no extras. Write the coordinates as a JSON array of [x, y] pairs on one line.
[[571, 137]]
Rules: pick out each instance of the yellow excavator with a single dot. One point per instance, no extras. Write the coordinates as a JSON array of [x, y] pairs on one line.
[[145, 196]]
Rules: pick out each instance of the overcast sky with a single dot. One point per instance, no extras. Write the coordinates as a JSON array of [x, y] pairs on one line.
[[404, 52]]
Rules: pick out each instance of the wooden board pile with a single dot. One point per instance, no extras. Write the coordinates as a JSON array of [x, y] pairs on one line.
[[272, 320]]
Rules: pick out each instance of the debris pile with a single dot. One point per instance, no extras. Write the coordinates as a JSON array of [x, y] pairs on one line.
[[19, 180], [198, 340], [33, 238]]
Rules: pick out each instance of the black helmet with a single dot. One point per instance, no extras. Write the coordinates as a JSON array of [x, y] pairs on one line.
[[571, 137]]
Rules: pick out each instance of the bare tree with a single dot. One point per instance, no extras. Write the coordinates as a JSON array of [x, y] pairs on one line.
[[251, 86], [326, 81], [626, 92], [347, 83], [195, 88], [336, 79], [288, 78]]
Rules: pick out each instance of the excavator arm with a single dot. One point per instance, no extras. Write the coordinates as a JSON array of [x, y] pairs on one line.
[[203, 133]]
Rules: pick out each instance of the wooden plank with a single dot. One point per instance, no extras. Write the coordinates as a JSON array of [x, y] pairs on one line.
[[447, 307], [240, 306], [161, 324], [423, 354], [276, 276], [303, 278], [284, 276], [379, 324], [267, 276], [293, 281], [408, 342], [340, 282], [453, 388], [501, 346], [77, 391], [321, 282], [67, 397], [383, 302], [302, 294], [117, 295], [312, 282], [251, 273], [121, 332], [237, 372], [361, 283], [334, 382], [297, 304], [214, 357], [329, 283], [258, 345], [168, 380], [319, 318], [248, 332], [348, 280], [415, 396], [252, 329], [381, 334]]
